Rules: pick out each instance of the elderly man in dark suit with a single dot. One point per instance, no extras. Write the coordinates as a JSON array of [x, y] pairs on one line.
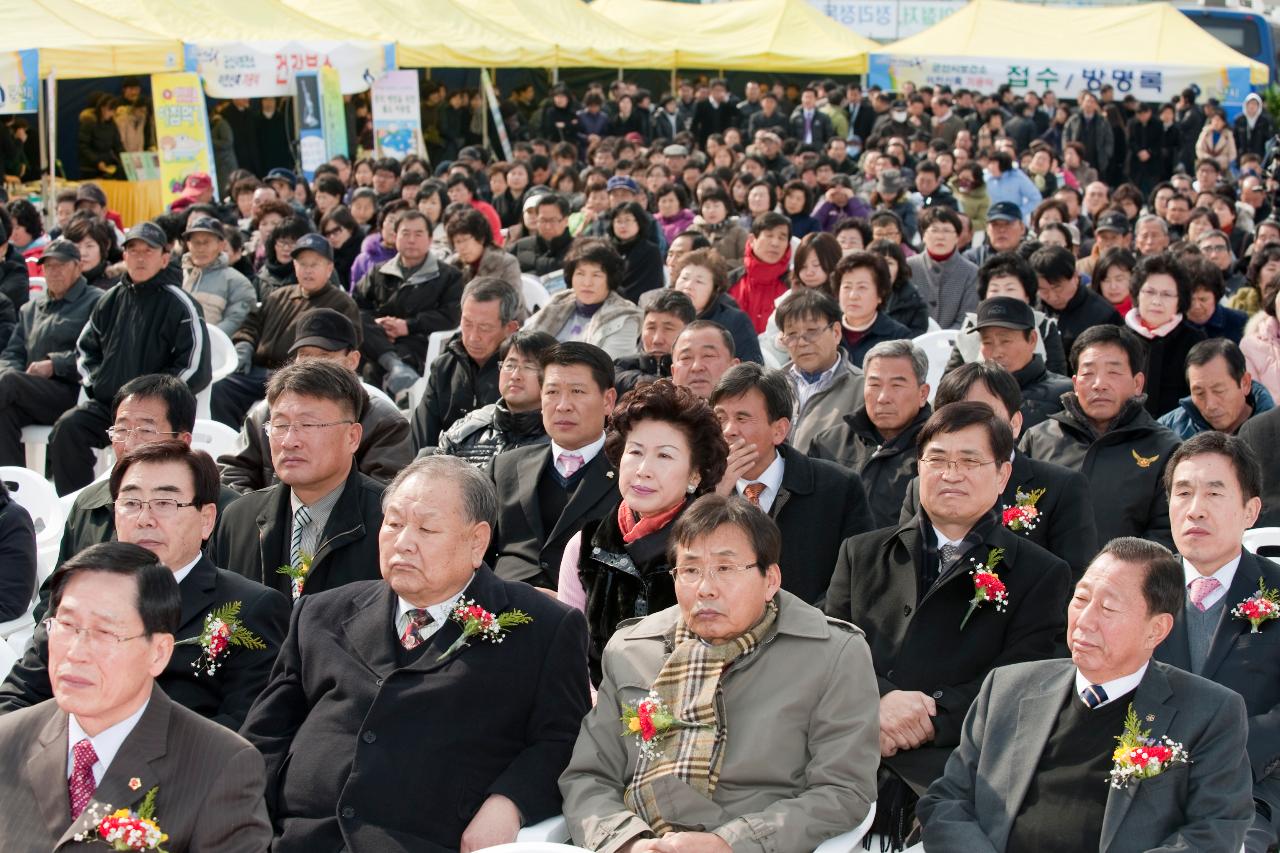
[[110, 738], [913, 589], [314, 529], [1213, 481], [163, 495], [1062, 522], [388, 723], [547, 493], [1039, 768], [816, 504]]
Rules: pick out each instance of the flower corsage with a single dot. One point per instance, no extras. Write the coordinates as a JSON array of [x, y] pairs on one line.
[[478, 622], [297, 574], [1140, 756], [987, 585], [222, 630], [1023, 516], [650, 720], [1258, 608], [127, 830]]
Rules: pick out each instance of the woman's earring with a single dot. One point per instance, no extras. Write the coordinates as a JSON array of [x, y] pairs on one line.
[[692, 488]]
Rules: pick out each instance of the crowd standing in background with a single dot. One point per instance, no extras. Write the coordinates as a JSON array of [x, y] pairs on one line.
[[717, 469]]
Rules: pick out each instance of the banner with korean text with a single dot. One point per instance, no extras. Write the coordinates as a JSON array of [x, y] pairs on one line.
[[267, 69], [182, 130], [887, 20], [19, 81], [1068, 79], [397, 120]]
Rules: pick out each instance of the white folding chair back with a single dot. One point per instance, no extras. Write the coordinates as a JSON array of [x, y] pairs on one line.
[[375, 391], [554, 830], [1260, 537], [937, 347], [554, 281], [214, 438], [435, 346], [933, 326], [850, 841], [532, 847], [535, 295], [37, 496], [7, 659], [35, 441], [222, 353]]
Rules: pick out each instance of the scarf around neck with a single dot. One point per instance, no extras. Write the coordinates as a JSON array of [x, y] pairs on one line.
[[634, 529], [689, 685], [1134, 321]]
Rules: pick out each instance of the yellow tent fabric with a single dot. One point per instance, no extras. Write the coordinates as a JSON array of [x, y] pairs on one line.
[[579, 35], [78, 40], [1154, 34], [745, 35], [214, 21]]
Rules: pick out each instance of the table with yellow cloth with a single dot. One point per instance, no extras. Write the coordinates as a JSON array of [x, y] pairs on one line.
[[135, 201]]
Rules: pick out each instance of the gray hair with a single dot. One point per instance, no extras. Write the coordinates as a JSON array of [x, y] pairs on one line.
[[901, 349], [489, 288], [479, 498], [1151, 217]]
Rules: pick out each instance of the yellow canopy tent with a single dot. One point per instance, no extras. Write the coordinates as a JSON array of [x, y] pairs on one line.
[[745, 35], [579, 35], [1151, 51], [78, 40]]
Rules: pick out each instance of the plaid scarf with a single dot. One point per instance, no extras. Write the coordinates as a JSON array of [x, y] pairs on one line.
[[689, 684]]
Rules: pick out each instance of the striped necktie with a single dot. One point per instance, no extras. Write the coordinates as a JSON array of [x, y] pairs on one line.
[[301, 519], [1093, 695]]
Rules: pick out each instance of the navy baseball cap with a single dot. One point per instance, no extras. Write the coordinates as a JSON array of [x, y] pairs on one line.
[[149, 233], [312, 243], [1004, 211], [207, 224], [622, 182], [324, 328], [280, 174], [1113, 221], [1005, 312]]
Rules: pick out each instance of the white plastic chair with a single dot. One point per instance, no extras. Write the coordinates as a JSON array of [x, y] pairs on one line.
[[1260, 537], [214, 438], [535, 294], [35, 440], [850, 841], [933, 326], [375, 391], [554, 281], [937, 347], [553, 830], [7, 659], [532, 847], [435, 346], [37, 496], [222, 361]]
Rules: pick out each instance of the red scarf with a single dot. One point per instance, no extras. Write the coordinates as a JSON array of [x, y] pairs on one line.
[[940, 258], [760, 286], [633, 529]]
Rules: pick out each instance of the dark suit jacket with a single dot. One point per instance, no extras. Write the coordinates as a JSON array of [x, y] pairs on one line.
[[521, 550], [223, 697], [209, 780], [366, 755], [819, 506], [1249, 664], [1192, 808], [255, 533], [1065, 528], [921, 647]]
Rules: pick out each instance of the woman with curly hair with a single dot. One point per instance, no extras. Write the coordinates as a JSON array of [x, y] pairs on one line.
[[669, 449]]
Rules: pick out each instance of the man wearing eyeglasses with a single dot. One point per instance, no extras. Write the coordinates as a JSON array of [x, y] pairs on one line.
[[826, 385], [544, 252], [314, 529], [163, 495], [913, 587], [464, 376], [109, 738]]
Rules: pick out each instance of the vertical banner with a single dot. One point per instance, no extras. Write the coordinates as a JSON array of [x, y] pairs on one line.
[[334, 113], [19, 81], [311, 150], [182, 130], [397, 121], [491, 99]]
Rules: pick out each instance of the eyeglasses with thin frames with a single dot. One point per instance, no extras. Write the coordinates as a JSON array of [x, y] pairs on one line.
[[95, 638], [303, 430], [693, 575]]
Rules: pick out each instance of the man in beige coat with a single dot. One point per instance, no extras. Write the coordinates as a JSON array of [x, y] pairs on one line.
[[777, 740]]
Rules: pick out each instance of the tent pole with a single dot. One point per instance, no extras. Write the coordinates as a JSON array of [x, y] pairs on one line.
[[555, 76], [619, 75], [674, 81]]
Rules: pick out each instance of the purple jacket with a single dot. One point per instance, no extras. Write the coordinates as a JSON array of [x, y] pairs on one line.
[[676, 225], [828, 214], [372, 255]]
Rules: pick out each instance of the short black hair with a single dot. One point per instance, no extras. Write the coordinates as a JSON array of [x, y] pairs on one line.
[[470, 222], [1206, 351], [321, 379], [712, 511], [1163, 587], [204, 471], [955, 386], [772, 385], [1053, 263], [386, 164], [1235, 449], [768, 222], [808, 303], [1162, 263], [159, 603], [1117, 256], [179, 402], [528, 343], [1008, 263], [561, 203], [726, 337], [672, 302], [958, 416], [570, 353], [1116, 336]]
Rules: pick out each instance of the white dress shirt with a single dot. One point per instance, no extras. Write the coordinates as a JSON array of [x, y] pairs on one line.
[[439, 615], [1115, 688], [106, 743], [181, 574], [587, 453], [1224, 577], [771, 479]]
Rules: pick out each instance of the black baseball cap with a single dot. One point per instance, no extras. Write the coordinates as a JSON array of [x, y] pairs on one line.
[[312, 242], [325, 328], [1004, 312], [148, 232], [1004, 211], [60, 250], [1113, 221], [205, 224]]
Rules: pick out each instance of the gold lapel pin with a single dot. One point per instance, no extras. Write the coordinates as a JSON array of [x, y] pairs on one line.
[[135, 783], [609, 474]]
